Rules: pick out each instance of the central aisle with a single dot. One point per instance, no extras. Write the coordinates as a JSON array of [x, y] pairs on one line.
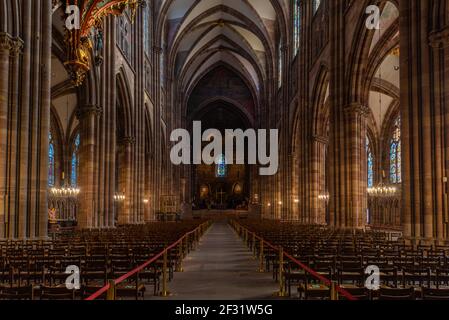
[[221, 268]]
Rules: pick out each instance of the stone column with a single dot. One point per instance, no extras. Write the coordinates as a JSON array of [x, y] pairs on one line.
[[439, 42], [355, 145], [157, 163], [40, 220], [317, 185], [126, 215], [337, 92], [5, 47], [87, 215], [294, 181], [424, 29], [17, 222]]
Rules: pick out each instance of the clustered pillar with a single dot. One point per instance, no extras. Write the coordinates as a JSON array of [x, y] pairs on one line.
[[25, 62], [424, 111]]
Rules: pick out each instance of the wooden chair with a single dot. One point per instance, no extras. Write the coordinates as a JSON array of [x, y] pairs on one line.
[[17, 293], [131, 288], [293, 276], [442, 277], [87, 291], [316, 292], [413, 276], [350, 272], [435, 294], [397, 294], [389, 277], [56, 293], [361, 294]]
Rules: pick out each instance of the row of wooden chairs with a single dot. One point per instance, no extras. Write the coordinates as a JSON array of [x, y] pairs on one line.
[[30, 292], [362, 293], [100, 255], [342, 256]]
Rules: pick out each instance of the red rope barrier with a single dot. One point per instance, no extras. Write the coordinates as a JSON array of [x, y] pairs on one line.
[[326, 281], [140, 268], [315, 274]]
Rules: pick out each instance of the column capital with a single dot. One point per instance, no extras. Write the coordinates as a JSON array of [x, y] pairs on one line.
[[5, 42], [320, 139], [16, 47], [439, 39], [127, 141], [88, 110], [55, 4], [157, 50], [10, 45], [356, 109]]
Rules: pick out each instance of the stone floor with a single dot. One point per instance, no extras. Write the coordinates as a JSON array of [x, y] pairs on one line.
[[221, 268]]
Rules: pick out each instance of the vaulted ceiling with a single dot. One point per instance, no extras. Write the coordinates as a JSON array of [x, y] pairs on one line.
[[242, 34], [384, 91]]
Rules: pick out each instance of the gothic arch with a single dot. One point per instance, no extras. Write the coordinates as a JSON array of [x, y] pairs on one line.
[[360, 53], [59, 143], [319, 107], [205, 52], [148, 131], [233, 106], [227, 65], [378, 56], [124, 106], [10, 20]]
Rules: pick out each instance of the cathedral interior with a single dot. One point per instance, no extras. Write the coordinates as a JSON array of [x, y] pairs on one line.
[[91, 91]]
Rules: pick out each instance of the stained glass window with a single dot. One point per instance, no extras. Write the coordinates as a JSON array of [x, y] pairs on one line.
[[124, 37], [296, 26], [316, 5], [395, 153], [75, 161], [370, 163], [51, 161], [221, 167]]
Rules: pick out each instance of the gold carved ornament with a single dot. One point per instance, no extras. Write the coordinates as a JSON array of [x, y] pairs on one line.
[[79, 41]]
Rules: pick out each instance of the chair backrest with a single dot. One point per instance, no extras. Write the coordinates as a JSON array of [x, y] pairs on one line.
[[435, 294], [17, 293], [397, 294], [87, 291], [56, 293], [358, 293], [317, 293]]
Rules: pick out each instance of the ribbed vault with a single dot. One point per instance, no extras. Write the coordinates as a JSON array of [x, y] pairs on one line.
[[242, 34]]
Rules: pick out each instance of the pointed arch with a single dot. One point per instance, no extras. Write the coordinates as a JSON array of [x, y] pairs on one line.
[[124, 104]]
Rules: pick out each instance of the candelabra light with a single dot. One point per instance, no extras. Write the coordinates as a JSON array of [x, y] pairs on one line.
[[382, 191], [324, 197], [119, 197], [65, 192], [255, 198]]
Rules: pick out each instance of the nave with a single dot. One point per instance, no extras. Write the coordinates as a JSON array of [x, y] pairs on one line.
[[316, 262], [222, 268], [88, 124]]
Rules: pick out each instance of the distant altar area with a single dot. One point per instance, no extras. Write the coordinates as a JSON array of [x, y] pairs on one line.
[[252, 213]]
